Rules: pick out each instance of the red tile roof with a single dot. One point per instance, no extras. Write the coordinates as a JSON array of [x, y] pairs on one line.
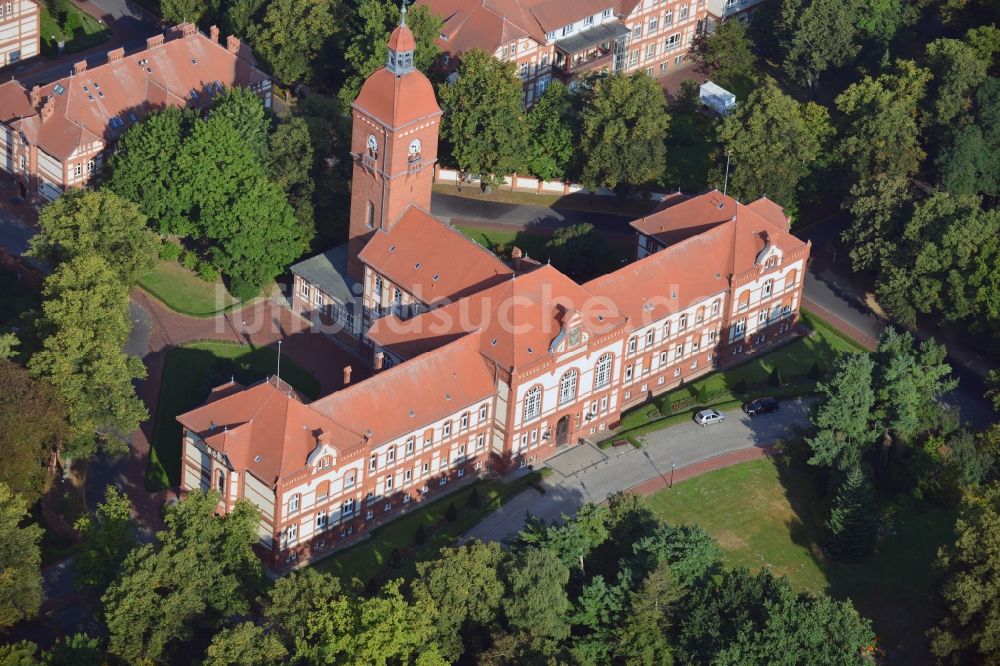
[[398, 100], [184, 69], [266, 429], [431, 260], [414, 394], [402, 39], [518, 319], [681, 217]]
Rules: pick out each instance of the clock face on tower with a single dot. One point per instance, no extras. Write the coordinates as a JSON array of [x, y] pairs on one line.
[[372, 143], [415, 147]]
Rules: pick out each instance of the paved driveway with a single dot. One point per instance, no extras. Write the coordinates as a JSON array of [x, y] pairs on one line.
[[586, 473]]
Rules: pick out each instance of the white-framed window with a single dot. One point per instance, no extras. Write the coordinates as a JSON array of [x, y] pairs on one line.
[[768, 287], [650, 337], [369, 514], [464, 422], [293, 503], [532, 403], [602, 371], [606, 13], [694, 363], [683, 12], [634, 57], [444, 480], [406, 498], [741, 326], [682, 322], [666, 330], [677, 372], [663, 358], [715, 308], [762, 316], [321, 520], [695, 344], [443, 463], [370, 215], [568, 29], [373, 462], [567, 387], [390, 455], [711, 336], [446, 429], [426, 468], [347, 508], [483, 413], [77, 169], [349, 480], [388, 483], [653, 24], [461, 472], [411, 443], [480, 441], [628, 373], [679, 351], [631, 345], [668, 18], [91, 164], [637, 31], [589, 20], [650, 50], [387, 506], [673, 41], [291, 533]]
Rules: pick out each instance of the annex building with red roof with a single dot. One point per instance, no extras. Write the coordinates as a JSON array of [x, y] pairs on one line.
[[558, 40], [481, 365], [58, 135]]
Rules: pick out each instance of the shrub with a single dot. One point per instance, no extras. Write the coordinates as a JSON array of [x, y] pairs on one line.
[[474, 500], [395, 558], [815, 372], [243, 290], [170, 251], [703, 396], [452, 513], [775, 378], [189, 260], [740, 387], [420, 537], [207, 271]]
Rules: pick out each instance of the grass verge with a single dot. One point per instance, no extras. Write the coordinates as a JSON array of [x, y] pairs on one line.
[[765, 513], [183, 291], [371, 559], [189, 373]]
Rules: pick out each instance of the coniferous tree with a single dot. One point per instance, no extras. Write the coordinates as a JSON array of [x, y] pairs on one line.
[[850, 527]]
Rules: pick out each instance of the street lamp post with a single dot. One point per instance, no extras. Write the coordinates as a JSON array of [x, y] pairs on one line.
[[673, 466]]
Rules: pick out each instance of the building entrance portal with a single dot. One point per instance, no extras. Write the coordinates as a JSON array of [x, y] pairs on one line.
[[562, 431]]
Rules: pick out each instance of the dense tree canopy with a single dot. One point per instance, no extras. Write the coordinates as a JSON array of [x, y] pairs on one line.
[[99, 223], [20, 561], [550, 133], [773, 143], [623, 131], [27, 451], [106, 538], [483, 119], [727, 51], [844, 418], [815, 36], [292, 34], [970, 630], [84, 325]]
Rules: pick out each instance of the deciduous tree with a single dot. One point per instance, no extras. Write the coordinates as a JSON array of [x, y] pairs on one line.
[[96, 222], [20, 561], [550, 133], [186, 11], [727, 52], [106, 538], [623, 131], [483, 118], [536, 601], [314, 617], [196, 575], [969, 632], [773, 143], [292, 34], [27, 451], [246, 644], [957, 70], [246, 113], [290, 163], [145, 169], [84, 325], [815, 36]]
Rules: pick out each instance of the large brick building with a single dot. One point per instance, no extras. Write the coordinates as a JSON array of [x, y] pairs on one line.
[[480, 366], [57, 136], [564, 39], [19, 36]]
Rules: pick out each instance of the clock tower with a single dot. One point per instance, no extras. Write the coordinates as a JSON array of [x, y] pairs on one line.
[[393, 145]]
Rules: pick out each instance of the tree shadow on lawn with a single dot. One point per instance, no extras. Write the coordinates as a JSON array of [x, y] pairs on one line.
[[895, 586]]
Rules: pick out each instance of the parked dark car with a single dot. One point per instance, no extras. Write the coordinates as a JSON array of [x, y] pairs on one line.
[[760, 406]]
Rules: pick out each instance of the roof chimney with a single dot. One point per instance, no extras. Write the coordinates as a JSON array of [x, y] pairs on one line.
[[379, 360], [233, 44], [48, 108], [80, 67], [187, 29], [347, 375], [116, 55], [515, 257], [35, 96], [213, 33], [154, 41]]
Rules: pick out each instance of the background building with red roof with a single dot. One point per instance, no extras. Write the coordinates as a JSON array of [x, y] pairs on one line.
[[556, 39], [57, 135], [479, 366]]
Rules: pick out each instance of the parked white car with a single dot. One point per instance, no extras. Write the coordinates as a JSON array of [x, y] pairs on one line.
[[708, 417]]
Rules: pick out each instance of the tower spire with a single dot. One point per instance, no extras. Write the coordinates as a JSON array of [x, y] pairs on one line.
[[402, 12], [401, 46]]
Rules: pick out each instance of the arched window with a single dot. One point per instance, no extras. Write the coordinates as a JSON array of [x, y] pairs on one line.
[[532, 403], [222, 482], [567, 387], [744, 301], [602, 372], [768, 287], [791, 277], [378, 288], [370, 215]]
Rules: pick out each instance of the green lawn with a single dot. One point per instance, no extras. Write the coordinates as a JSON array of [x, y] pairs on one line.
[[183, 291], [370, 558], [82, 31], [628, 208], [189, 373], [765, 514], [619, 249]]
